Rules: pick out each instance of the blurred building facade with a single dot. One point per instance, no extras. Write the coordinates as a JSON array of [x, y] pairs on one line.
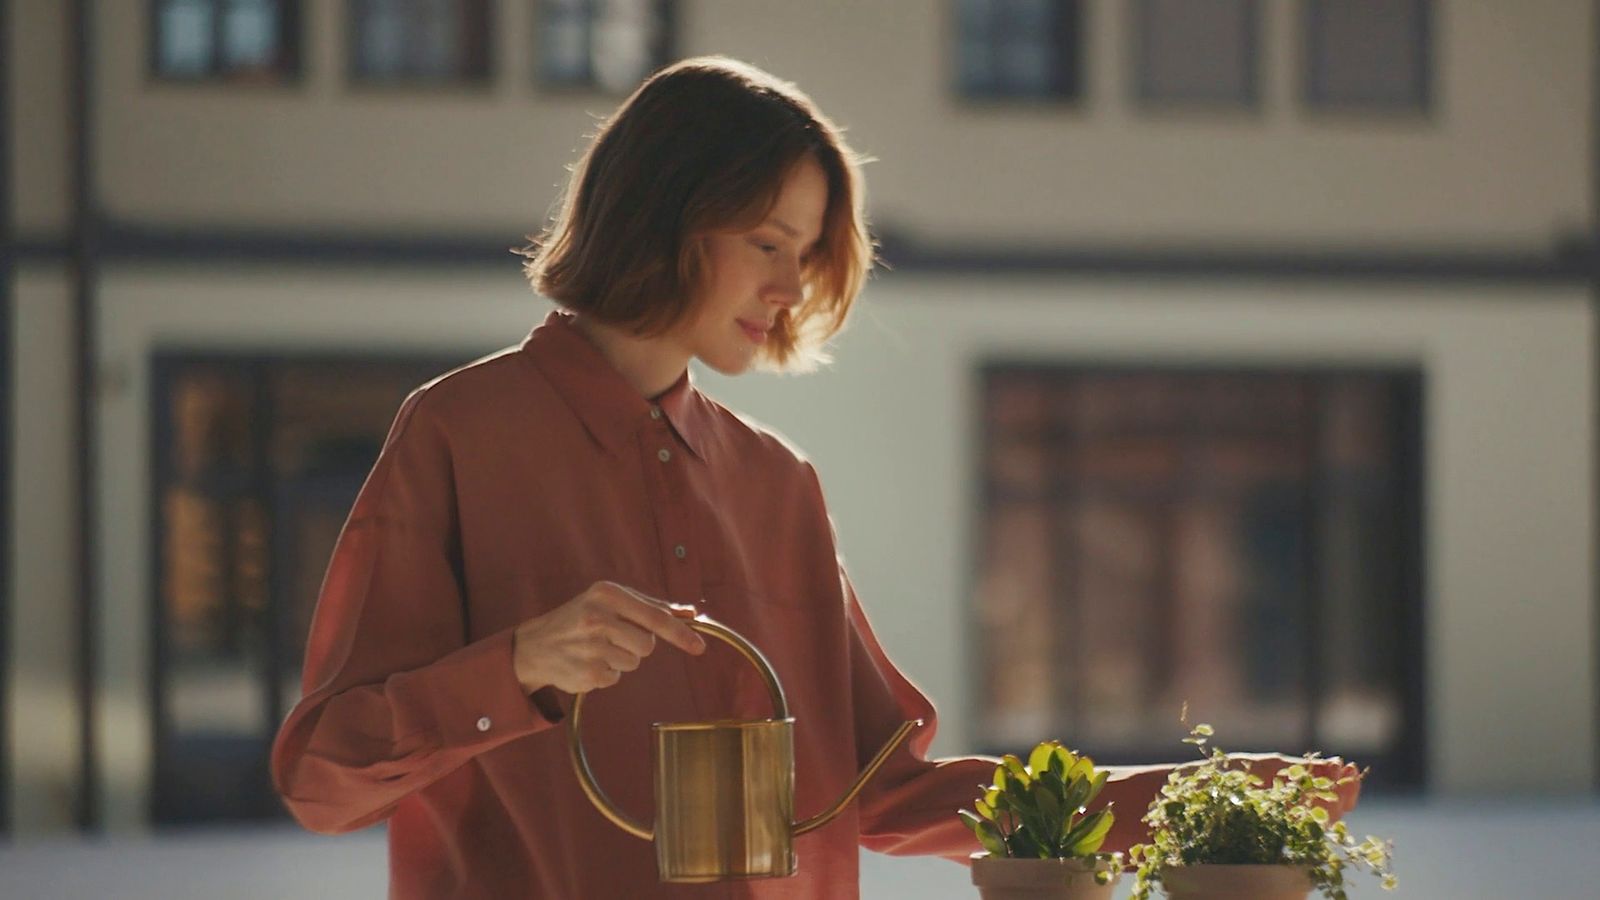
[[1233, 352]]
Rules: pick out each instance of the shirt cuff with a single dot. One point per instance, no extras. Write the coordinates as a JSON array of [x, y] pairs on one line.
[[477, 699]]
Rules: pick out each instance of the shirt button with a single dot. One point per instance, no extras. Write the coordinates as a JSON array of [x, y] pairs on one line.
[[655, 412], [680, 551], [664, 455], [484, 723]]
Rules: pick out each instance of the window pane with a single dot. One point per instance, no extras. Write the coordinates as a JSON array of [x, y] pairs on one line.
[[435, 39], [250, 34], [611, 45], [625, 34], [184, 29], [564, 41], [1368, 53], [1016, 624], [1234, 541], [1197, 51], [380, 38], [420, 40], [1018, 48]]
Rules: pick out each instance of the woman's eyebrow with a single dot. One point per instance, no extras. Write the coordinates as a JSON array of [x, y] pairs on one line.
[[791, 231]]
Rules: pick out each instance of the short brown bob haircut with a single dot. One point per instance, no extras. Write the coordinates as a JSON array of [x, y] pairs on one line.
[[701, 146]]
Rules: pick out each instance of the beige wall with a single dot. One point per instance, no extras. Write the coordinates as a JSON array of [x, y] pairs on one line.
[[41, 157], [1502, 163], [1509, 408], [42, 700]]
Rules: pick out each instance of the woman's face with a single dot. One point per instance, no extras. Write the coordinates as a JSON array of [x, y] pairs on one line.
[[753, 276]]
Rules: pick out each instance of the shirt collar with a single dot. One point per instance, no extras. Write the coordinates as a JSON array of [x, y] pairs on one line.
[[609, 407]]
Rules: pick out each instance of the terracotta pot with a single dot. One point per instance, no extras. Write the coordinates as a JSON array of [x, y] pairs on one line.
[[1259, 882], [1002, 878]]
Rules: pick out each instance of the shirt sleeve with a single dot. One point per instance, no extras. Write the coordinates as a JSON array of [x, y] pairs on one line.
[[909, 807], [394, 697]]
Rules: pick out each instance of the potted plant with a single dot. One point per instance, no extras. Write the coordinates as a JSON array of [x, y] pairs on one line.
[[1039, 842], [1217, 830]]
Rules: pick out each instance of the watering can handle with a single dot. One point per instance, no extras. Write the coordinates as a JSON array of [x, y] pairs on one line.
[[580, 763]]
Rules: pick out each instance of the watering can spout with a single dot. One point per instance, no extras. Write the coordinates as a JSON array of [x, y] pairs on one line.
[[828, 815]]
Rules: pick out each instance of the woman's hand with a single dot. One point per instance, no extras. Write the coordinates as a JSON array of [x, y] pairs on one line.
[[589, 641]]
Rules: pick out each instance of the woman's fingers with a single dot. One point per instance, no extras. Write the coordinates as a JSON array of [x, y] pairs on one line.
[[655, 616], [631, 637]]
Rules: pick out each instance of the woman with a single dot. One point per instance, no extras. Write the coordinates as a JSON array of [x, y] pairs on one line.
[[541, 519]]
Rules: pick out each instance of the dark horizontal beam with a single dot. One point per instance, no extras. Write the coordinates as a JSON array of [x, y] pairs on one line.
[[1571, 261], [1567, 262]]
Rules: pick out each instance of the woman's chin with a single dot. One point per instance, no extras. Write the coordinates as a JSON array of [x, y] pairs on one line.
[[728, 364]]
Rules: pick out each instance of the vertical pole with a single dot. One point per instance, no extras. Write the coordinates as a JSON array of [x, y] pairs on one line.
[[84, 253]]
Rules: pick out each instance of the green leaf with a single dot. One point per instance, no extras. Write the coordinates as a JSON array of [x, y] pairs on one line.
[[984, 809], [1063, 761], [1015, 771], [1000, 777], [1083, 768], [986, 832], [1078, 794], [1024, 846], [1039, 759], [1048, 803], [1095, 786], [1072, 837], [1090, 840]]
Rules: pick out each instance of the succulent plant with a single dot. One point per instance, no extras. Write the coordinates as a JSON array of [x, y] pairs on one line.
[[1036, 810]]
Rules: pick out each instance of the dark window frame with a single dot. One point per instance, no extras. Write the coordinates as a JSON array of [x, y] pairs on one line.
[[1251, 45], [289, 68], [1314, 93], [664, 53], [477, 74], [1405, 769], [8, 579], [1069, 78], [167, 364]]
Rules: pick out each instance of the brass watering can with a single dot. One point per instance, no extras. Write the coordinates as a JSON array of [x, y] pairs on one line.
[[724, 789]]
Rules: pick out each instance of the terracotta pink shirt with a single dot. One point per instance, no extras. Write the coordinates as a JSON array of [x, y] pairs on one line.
[[503, 490]]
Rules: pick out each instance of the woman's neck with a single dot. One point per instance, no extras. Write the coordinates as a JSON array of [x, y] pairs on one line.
[[650, 364]]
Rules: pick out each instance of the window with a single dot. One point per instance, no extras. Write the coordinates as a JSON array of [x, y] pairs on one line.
[[257, 462], [1020, 49], [609, 45], [1247, 542], [226, 40], [419, 41], [1368, 54], [1196, 52]]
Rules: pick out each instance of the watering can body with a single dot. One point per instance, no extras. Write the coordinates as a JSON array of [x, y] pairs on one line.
[[724, 790]]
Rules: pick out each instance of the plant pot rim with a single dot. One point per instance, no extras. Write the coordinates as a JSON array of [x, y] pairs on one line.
[[1088, 865], [1010, 871]]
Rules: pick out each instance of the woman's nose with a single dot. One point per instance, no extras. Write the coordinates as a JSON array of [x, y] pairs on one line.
[[786, 289]]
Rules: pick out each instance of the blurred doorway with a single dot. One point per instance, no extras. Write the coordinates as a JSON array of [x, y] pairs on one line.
[[256, 463]]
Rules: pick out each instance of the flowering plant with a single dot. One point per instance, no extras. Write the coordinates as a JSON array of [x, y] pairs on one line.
[[1218, 813]]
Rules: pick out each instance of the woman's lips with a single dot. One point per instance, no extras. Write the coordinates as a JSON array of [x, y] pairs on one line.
[[756, 333]]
